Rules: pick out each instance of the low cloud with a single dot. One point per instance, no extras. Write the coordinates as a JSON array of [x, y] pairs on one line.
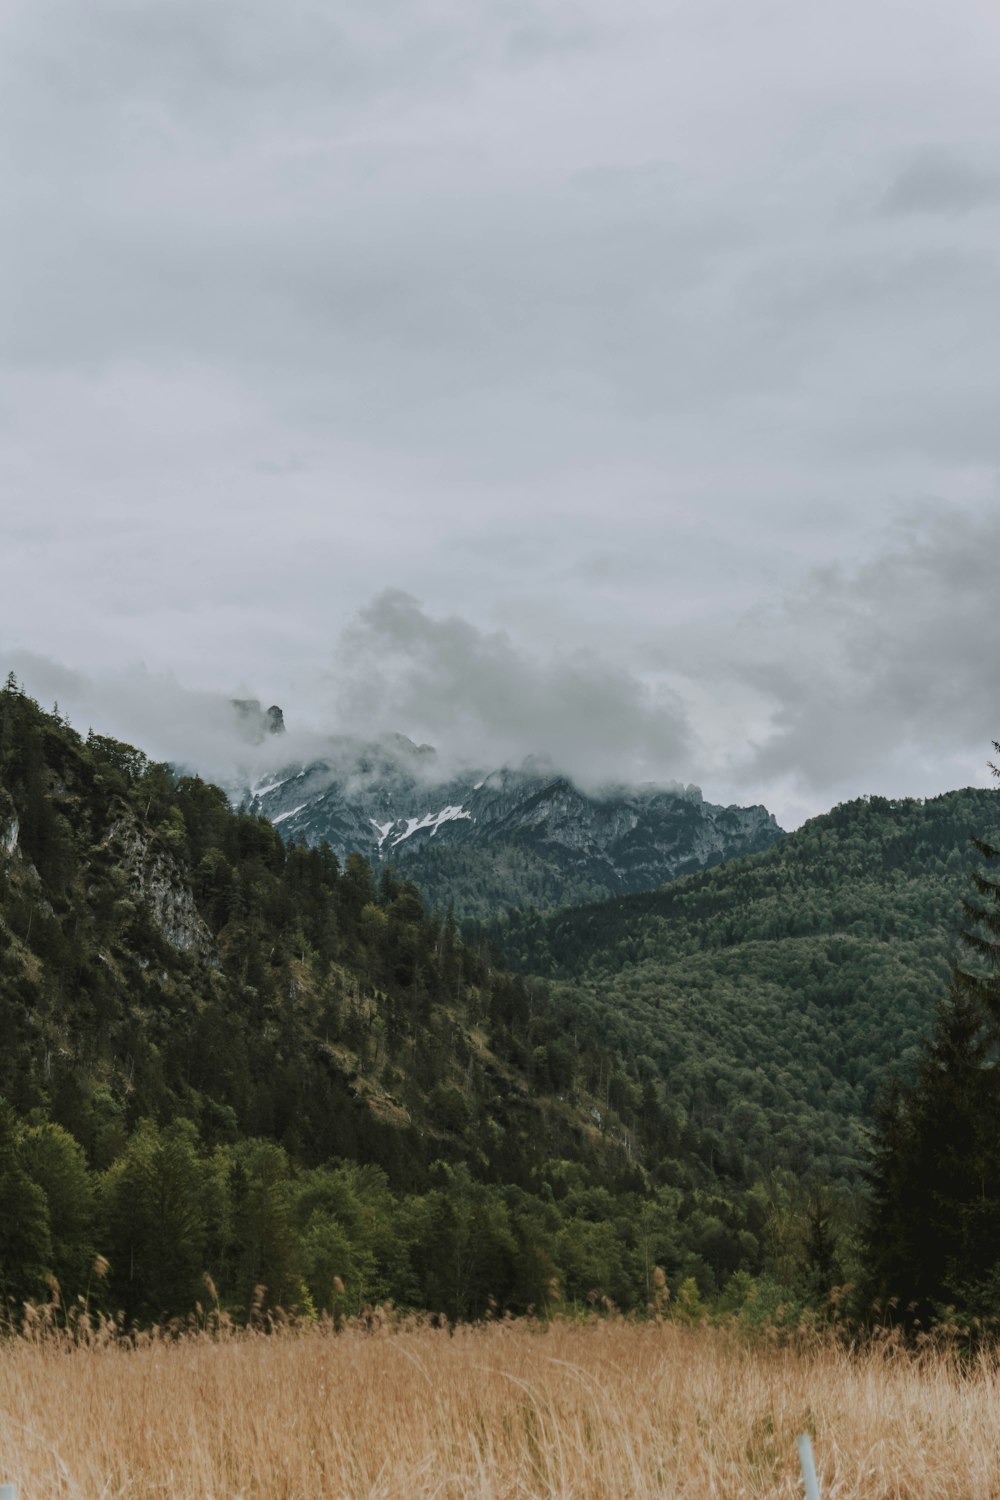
[[935, 182], [478, 697], [885, 677], [202, 731], [486, 700]]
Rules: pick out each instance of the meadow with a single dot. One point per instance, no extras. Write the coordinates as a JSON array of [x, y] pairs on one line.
[[609, 1410]]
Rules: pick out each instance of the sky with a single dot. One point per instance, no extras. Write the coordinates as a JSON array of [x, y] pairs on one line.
[[611, 382]]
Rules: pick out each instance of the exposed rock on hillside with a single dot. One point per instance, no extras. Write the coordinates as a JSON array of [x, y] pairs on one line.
[[484, 841], [155, 878], [9, 825]]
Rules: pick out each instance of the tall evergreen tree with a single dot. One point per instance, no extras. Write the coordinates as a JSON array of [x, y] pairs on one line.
[[933, 1237], [25, 1243]]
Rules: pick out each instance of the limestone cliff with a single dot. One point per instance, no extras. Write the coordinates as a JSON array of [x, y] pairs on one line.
[[155, 878]]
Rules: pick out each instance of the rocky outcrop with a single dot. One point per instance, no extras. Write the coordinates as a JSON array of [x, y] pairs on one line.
[[9, 826], [256, 723], [8, 837], [155, 878], [384, 802]]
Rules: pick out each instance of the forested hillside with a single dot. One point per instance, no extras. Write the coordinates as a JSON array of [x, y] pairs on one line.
[[234, 1070], [237, 1073], [221, 1054], [770, 996]]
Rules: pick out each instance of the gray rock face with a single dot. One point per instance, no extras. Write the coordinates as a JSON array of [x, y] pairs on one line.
[[9, 835], [155, 879], [521, 837], [10, 827]]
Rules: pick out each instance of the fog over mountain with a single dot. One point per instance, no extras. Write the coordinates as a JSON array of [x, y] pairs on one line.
[[877, 678]]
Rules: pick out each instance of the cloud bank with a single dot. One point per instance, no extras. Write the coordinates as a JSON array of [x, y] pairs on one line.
[[884, 677], [881, 678], [594, 311], [488, 701]]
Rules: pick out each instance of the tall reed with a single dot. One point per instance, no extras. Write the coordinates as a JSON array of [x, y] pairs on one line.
[[609, 1410]]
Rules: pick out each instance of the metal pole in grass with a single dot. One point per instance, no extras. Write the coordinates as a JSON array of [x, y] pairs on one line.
[[805, 1459], [8, 1492]]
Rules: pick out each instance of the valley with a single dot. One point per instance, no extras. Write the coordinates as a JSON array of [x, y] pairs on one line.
[[343, 1094]]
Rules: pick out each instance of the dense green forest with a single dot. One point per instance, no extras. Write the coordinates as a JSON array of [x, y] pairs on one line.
[[223, 1056], [235, 1071], [514, 872], [769, 997], [933, 1223]]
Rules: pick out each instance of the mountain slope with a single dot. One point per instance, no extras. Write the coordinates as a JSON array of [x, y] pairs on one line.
[[484, 841], [769, 996], [225, 1054], [160, 954]]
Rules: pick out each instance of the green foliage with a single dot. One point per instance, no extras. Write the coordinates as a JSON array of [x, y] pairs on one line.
[[228, 1057], [232, 1060], [160, 1201], [934, 1228], [57, 1165], [515, 875], [25, 1244], [162, 957], [767, 997]]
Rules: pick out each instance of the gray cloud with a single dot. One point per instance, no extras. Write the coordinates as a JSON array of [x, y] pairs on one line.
[[592, 325], [194, 729], [937, 183], [487, 701], [480, 698], [883, 677], [168, 720], [399, 228]]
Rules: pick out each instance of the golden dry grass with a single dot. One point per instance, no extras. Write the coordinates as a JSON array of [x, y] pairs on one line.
[[607, 1411]]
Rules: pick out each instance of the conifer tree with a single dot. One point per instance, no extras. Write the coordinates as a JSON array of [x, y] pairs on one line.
[[933, 1237], [25, 1244], [983, 912]]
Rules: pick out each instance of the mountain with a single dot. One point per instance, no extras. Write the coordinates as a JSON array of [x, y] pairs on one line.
[[770, 997], [482, 841], [161, 953], [224, 1055], [255, 723], [228, 1055]]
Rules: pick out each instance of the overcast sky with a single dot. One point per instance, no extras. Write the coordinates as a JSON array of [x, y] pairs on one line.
[[617, 381]]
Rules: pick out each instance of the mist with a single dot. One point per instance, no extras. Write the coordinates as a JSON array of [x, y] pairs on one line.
[[877, 678], [479, 699], [487, 700], [191, 728]]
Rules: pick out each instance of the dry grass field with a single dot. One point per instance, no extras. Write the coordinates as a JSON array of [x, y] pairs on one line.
[[607, 1411]]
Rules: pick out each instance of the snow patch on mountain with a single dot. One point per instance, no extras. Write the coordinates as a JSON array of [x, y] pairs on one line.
[[532, 832], [282, 816], [265, 788], [432, 821]]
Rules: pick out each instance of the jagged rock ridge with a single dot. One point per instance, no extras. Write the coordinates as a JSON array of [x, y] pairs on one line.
[[486, 840]]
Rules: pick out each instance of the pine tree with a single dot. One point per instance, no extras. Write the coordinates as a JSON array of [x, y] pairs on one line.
[[983, 936], [933, 1237], [25, 1244]]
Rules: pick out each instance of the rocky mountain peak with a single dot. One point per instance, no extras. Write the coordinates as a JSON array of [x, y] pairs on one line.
[[513, 836], [256, 723]]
